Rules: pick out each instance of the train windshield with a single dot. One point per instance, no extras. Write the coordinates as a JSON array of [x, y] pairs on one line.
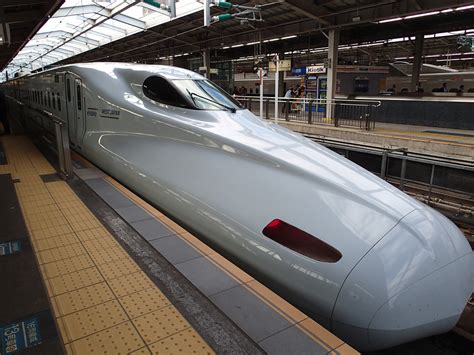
[[205, 95]]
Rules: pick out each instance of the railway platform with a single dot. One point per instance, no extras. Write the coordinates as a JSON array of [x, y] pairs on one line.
[[90, 267], [449, 143]]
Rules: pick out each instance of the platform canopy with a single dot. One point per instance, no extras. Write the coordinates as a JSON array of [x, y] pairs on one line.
[[82, 25], [132, 30]]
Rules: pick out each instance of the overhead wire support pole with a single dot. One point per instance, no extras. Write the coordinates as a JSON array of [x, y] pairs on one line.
[[261, 91], [172, 8], [207, 13], [277, 65]]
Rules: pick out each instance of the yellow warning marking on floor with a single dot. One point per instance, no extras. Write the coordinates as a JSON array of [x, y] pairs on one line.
[[119, 339], [103, 302], [68, 266], [160, 324], [82, 298], [181, 343], [152, 299]]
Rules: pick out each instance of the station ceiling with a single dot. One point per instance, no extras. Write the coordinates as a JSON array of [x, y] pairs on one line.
[[378, 29], [19, 21], [360, 21]]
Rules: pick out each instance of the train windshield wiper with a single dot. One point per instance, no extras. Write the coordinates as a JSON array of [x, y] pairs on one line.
[[231, 109]]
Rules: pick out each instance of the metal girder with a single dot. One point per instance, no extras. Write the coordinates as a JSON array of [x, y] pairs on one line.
[[86, 40], [92, 32], [130, 21], [82, 10], [307, 9], [64, 51], [113, 28], [72, 47], [53, 34]]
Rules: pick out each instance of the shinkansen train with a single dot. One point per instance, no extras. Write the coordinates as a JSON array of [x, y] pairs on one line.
[[362, 258]]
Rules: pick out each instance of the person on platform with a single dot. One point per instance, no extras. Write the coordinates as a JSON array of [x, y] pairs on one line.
[[3, 113], [444, 88], [288, 95], [461, 89]]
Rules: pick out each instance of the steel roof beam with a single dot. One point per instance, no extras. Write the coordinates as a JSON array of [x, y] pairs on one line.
[[92, 32], [130, 21], [113, 28], [53, 34], [86, 40], [82, 10]]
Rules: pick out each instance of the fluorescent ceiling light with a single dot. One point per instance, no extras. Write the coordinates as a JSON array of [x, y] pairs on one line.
[[464, 7], [391, 20], [288, 37], [252, 43], [446, 11], [422, 15], [237, 45]]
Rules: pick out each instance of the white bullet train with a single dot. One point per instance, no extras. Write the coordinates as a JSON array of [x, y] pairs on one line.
[[363, 259]]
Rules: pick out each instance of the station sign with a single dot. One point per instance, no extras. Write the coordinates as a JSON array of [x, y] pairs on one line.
[[316, 69], [19, 336], [298, 70], [283, 65]]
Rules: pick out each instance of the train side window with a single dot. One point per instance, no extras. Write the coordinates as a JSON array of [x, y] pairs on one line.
[[68, 90], [159, 89], [54, 100], [78, 97], [59, 101]]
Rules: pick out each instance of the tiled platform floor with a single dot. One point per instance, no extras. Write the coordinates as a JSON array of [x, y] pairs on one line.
[[102, 301]]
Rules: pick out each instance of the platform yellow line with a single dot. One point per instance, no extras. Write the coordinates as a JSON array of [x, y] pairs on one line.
[[102, 301]]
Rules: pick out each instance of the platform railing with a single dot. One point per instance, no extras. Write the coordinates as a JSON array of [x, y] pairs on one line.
[[60, 130], [338, 112]]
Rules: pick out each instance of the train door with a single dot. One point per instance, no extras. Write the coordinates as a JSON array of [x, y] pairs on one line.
[[71, 108], [80, 124]]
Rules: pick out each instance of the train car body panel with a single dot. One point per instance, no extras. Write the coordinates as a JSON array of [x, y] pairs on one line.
[[227, 175]]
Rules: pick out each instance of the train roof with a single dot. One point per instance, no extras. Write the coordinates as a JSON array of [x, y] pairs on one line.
[[169, 72]]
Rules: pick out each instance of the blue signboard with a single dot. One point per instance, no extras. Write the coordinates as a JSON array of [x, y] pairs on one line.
[[9, 248], [18, 336], [298, 70]]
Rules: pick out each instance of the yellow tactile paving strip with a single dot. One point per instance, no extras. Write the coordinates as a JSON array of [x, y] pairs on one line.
[[315, 331], [102, 301]]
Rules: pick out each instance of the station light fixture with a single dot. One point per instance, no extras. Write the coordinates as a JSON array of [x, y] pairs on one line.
[[424, 14], [467, 7], [391, 20]]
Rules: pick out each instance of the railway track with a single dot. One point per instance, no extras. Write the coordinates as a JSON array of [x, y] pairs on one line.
[[457, 206]]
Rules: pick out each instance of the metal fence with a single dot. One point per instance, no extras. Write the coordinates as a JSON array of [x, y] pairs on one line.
[[339, 112]]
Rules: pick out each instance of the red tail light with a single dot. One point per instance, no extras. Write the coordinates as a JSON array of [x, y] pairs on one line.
[[295, 239]]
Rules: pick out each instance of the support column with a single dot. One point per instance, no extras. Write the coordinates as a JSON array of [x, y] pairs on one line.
[[333, 44], [206, 60], [415, 74]]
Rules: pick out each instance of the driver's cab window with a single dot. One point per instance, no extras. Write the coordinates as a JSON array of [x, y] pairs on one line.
[[160, 90]]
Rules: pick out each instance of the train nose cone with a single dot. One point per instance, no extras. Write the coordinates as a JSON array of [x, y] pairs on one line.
[[414, 283]]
